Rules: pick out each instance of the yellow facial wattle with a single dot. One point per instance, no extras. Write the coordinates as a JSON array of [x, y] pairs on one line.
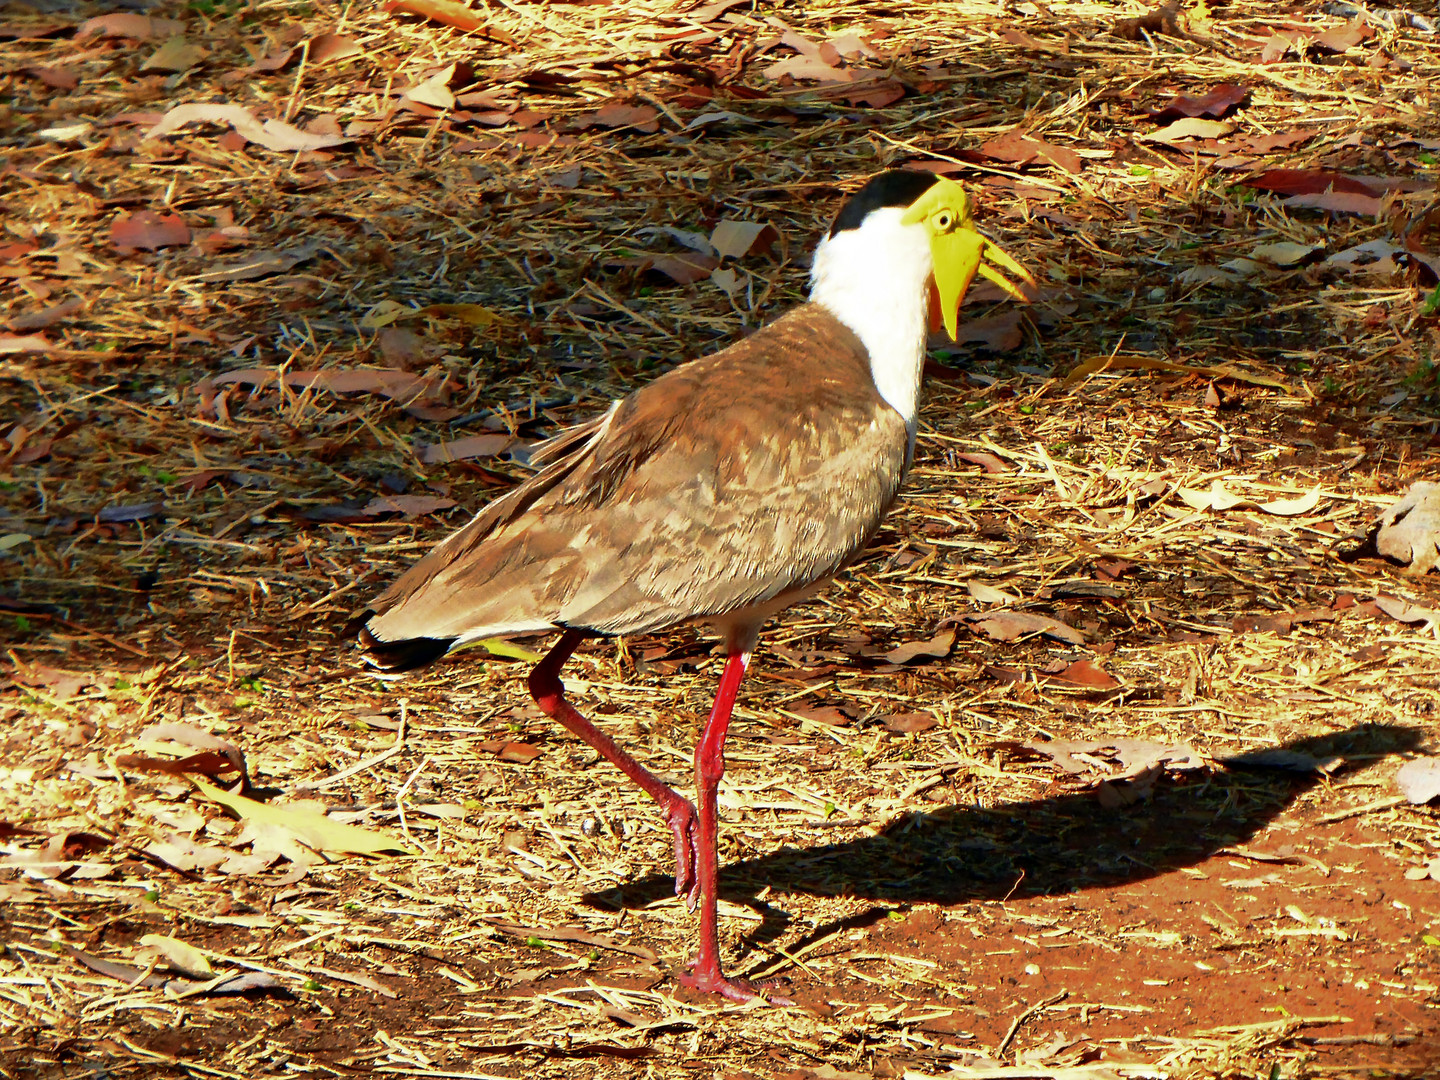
[[958, 251]]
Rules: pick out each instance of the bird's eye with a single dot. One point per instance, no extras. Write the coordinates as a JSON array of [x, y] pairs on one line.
[[944, 220]]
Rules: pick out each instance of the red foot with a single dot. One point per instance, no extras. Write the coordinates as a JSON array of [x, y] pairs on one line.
[[682, 820], [716, 982]]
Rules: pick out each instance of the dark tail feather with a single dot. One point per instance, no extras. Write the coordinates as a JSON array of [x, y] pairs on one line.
[[403, 655]]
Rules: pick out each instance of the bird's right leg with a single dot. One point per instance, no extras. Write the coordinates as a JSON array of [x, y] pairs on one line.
[[549, 694]]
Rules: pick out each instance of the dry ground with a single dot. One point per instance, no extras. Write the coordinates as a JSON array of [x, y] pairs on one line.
[[938, 893]]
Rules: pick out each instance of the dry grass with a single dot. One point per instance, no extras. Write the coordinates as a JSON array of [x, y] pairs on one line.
[[906, 883]]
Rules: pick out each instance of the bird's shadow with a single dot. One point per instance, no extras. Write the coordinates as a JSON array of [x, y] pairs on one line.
[[1043, 847]]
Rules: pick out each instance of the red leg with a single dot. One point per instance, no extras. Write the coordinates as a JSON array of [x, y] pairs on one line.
[[549, 693], [706, 973]]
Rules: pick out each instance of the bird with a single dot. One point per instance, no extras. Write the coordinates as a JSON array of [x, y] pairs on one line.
[[718, 494]]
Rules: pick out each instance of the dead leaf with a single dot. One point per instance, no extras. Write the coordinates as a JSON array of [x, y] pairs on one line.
[[617, 114], [988, 594], [1219, 498], [263, 263], [517, 752], [998, 333], [409, 505], [1285, 252], [327, 48], [1163, 20], [206, 763], [450, 13], [434, 91], [936, 647], [1190, 128], [1409, 530], [1017, 148], [180, 956], [1215, 104], [175, 55], [469, 314], [1309, 182], [988, 462], [272, 134], [56, 78], [1337, 202], [388, 382], [1012, 625], [471, 446], [826, 714], [685, 269], [909, 723], [148, 230], [736, 239], [1406, 612], [47, 317], [313, 829], [1150, 363], [1085, 673], [1419, 780], [126, 24], [1133, 756]]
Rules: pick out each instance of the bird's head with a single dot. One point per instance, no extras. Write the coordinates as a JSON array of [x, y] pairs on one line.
[[904, 220]]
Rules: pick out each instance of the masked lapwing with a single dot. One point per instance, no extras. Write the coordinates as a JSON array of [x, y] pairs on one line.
[[719, 494]]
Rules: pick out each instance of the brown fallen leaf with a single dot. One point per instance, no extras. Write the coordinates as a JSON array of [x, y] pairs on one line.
[[148, 230], [1409, 530], [618, 114], [1190, 128], [1310, 182], [1013, 625], [909, 723], [57, 78], [271, 134], [1163, 20], [388, 382], [1134, 756], [1019, 37], [1406, 612], [1220, 100], [517, 752], [1084, 673], [1419, 780], [175, 55], [998, 333], [1017, 148], [47, 317], [409, 505], [450, 13], [1150, 363], [127, 24], [435, 91], [464, 449], [736, 239], [1337, 202], [826, 714], [684, 269], [263, 263], [936, 647], [206, 763], [327, 48]]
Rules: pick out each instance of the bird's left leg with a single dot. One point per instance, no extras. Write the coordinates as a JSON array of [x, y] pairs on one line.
[[706, 973], [549, 693]]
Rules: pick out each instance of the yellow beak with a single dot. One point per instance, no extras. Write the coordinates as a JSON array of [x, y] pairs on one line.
[[959, 252]]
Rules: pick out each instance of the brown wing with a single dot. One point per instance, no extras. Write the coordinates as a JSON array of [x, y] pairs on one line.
[[721, 485]]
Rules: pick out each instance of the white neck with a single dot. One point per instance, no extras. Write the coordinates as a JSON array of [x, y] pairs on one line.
[[875, 280]]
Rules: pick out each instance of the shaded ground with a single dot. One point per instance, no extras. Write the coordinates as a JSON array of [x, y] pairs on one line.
[[941, 895]]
